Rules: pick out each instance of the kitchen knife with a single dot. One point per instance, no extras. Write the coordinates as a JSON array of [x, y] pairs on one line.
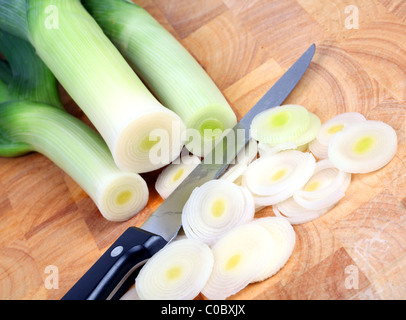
[[114, 273]]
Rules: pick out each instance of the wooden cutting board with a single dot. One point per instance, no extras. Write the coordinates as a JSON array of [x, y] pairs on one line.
[[356, 251]]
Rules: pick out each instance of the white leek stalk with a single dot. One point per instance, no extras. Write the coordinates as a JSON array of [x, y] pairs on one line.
[[215, 208], [168, 69], [100, 81], [239, 257], [179, 271], [80, 152]]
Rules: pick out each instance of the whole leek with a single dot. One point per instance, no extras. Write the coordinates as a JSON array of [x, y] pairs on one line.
[[79, 151], [27, 126], [168, 69], [98, 78]]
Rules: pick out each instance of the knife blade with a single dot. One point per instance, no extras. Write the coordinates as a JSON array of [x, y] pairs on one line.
[[114, 273]]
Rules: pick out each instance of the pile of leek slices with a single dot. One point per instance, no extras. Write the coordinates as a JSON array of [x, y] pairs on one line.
[[303, 170]]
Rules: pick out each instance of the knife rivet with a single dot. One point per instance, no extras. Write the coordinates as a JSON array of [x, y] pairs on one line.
[[116, 251]]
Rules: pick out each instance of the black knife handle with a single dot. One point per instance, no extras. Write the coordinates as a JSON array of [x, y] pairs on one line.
[[114, 273]]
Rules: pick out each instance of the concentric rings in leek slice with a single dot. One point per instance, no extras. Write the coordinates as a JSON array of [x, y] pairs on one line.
[[363, 147], [280, 124]]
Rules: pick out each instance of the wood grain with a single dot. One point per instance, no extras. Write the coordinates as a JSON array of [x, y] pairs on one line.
[[245, 46]]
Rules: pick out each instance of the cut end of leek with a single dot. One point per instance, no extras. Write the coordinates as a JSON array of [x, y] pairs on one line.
[[239, 257], [124, 196], [169, 70], [179, 271], [215, 208], [149, 142], [207, 126], [363, 147]]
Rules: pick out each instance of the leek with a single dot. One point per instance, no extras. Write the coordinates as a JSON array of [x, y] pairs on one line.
[[215, 208], [276, 177], [80, 152], [5, 73], [319, 146], [99, 79], [325, 188], [280, 124], [3, 91], [174, 174], [8, 147], [363, 147], [240, 256], [30, 79], [76, 148], [285, 238], [168, 69], [177, 272]]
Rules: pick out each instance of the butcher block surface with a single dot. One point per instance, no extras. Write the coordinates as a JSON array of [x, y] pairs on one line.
[[356, 251]]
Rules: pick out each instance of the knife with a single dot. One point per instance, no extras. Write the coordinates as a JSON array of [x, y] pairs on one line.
[[115, 272]]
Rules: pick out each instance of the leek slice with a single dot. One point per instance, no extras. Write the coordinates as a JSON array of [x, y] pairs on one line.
[[215, 208], [266, 149], [174, 174], [363, 147], [101, 82], [239, 256], [80, 152], [179, 271], [337, 124], [280, 124], [319, 146], [274, 178], [168, 69], [311, 132], [325, 188], [319, 150], [284, 237], [295, 213], [243, 159]]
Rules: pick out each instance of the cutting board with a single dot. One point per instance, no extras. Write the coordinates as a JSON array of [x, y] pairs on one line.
[[49, 226]]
